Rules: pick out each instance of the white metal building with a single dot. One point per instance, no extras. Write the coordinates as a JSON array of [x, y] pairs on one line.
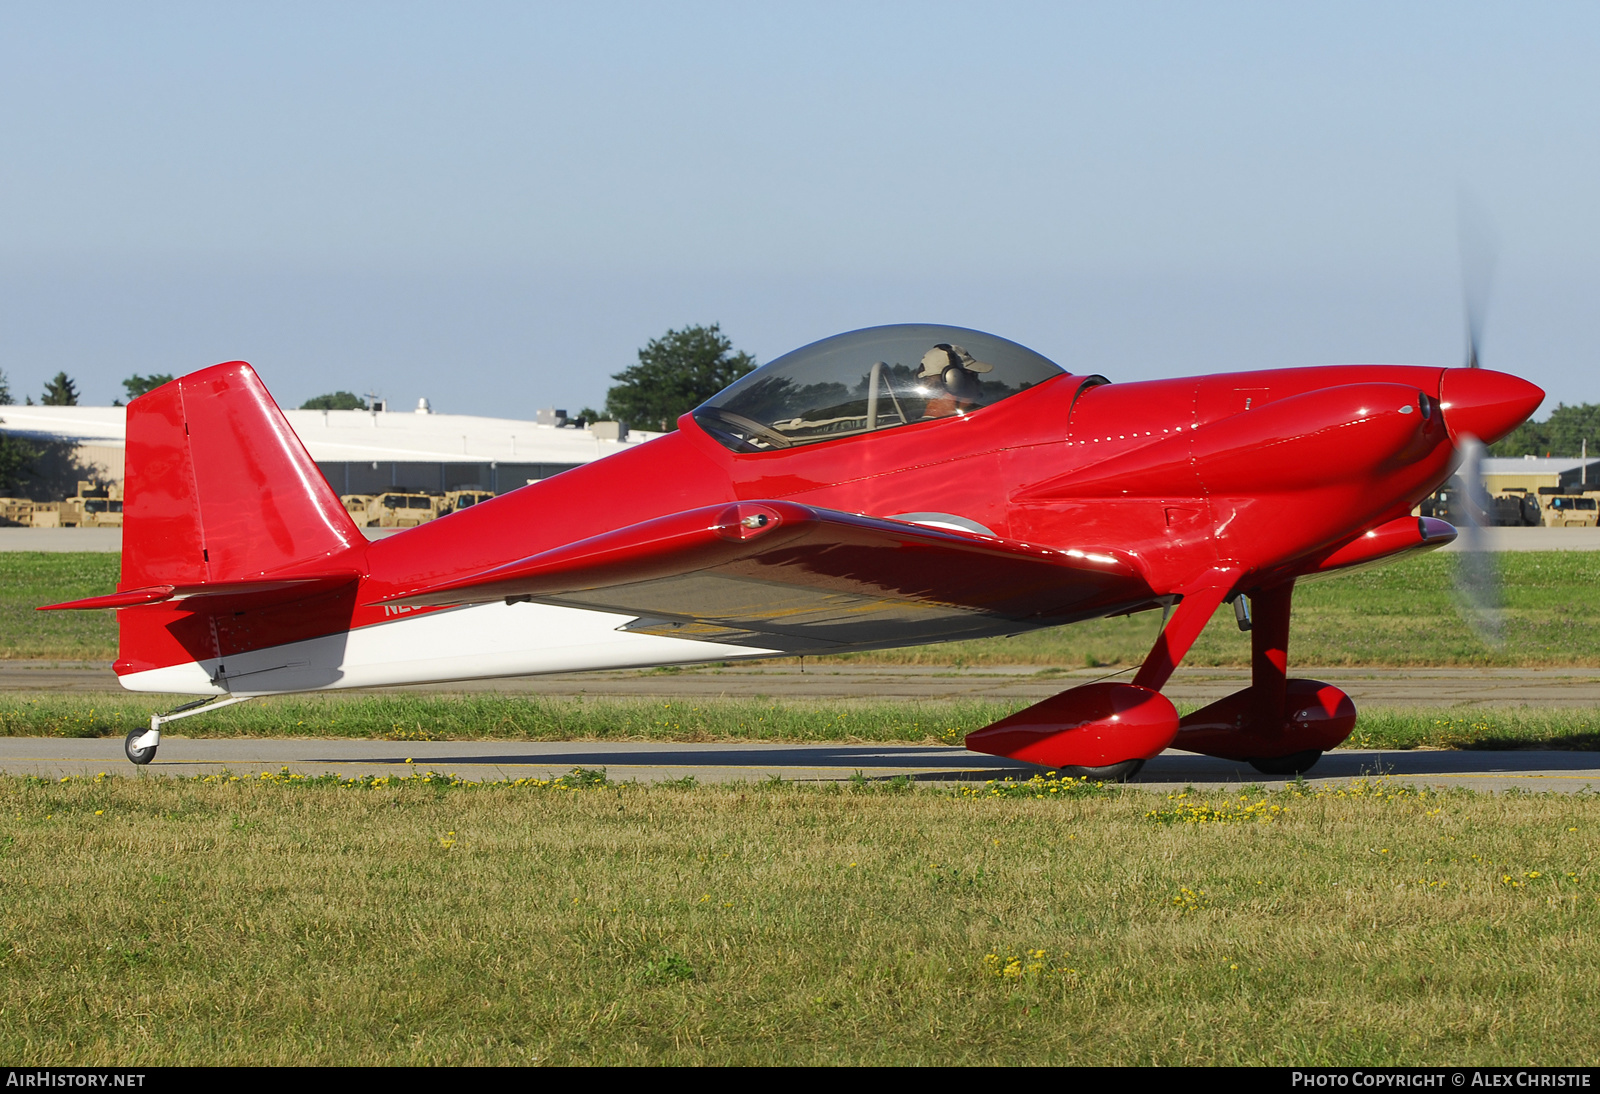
[[362, 451], [1533, 472]]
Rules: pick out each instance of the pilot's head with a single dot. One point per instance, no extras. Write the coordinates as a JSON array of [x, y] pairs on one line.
[[953, 367]]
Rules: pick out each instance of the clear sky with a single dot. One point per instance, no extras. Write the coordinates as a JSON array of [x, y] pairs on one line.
[[495, 205]]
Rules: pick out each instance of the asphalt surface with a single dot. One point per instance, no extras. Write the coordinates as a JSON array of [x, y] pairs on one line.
[[753, 762], [651, 762], [1415, 687]]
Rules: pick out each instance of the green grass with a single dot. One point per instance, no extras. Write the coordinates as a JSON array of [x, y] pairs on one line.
[[1397, 615], [154, 921], [537, 718], [31, 578], [508, 717], [1575, 729]]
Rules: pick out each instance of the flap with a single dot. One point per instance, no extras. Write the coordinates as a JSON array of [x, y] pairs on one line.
[[754, 572]]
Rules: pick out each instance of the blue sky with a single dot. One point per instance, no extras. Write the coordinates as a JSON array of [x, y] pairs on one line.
[[495, 205]]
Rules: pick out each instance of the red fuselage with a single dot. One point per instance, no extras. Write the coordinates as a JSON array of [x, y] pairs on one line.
[[1316, 457]]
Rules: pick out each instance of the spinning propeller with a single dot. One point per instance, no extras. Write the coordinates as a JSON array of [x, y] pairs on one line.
[[1477, 571]]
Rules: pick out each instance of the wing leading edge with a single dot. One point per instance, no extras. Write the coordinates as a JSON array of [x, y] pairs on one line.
[[779, 575]]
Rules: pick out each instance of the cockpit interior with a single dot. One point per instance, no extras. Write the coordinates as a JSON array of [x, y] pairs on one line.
[[869, 380]]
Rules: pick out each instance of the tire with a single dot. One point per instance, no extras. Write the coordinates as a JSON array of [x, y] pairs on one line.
[[1295, 763], [1110, 773], [140, 756]]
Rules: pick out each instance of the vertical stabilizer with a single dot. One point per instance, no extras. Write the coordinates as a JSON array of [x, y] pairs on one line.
[[219, 488]]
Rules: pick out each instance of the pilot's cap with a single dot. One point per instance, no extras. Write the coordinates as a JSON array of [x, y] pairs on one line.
[[944, 355]]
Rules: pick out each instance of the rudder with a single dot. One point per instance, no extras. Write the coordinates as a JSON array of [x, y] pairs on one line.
[[219, 488]]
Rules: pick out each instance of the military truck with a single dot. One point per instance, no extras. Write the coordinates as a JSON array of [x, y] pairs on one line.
[[1515, 508], [1512, 508], [94, 506], [1568, 510], [16, 512], [461, 499], [398, 509]]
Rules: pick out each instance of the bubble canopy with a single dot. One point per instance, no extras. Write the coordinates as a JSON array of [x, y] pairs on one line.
[[870, 380]]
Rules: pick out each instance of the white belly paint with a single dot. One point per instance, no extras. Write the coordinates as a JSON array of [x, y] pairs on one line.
[[479, 642]]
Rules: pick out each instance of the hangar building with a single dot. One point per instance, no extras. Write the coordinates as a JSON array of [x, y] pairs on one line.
[[1533, 472], [359, 451]]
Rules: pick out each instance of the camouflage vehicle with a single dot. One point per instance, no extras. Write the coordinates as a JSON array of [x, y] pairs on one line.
[[94, 507], [401, 509], [356, 506], [1515, 508], [16, 512], [1569, 510], [460, 499]]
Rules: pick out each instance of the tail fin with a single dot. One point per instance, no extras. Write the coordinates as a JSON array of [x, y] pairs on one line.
[[219, 488]]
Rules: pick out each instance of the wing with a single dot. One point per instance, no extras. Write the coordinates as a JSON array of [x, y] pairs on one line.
[[778, 575]]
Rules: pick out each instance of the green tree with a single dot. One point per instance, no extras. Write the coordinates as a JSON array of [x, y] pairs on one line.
[[60, 391], [676, 373], [5, 389], [1561, 434], [137, 385], [338, 400], [16, 458]]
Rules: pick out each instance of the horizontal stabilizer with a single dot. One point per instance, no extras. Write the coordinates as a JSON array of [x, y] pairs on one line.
[[254, 593], [788, 576]]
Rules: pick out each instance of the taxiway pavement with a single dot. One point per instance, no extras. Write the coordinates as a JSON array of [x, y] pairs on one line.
[[651, 762], [1370, 687]]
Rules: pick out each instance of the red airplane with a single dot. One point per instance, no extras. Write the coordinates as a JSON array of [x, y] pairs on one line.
[[887, 487]]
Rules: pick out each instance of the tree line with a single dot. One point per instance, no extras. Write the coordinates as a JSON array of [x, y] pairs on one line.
[[17, 456], [1563, 433], [674, 374], [684, 367]]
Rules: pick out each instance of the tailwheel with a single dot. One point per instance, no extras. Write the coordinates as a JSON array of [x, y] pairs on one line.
[[139, 755], [1296, 763], [1110, 773]]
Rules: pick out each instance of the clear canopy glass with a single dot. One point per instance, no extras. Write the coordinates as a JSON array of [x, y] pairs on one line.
[[867, 380]]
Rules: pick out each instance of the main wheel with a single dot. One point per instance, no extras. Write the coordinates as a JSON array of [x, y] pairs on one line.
[[1295, 763], [1110, 773], [140, 756]]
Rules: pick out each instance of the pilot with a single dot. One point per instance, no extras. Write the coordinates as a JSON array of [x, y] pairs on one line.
[[951, 374]]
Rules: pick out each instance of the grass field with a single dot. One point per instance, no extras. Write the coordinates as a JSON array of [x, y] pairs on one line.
[[155, 921], [31, 578], [286, 920], [537, 718], [1397, 615]]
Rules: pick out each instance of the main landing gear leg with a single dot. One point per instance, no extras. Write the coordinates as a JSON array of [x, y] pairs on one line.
[[1106, 731], [1269, 677], [1277, 725], [140, 744]]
